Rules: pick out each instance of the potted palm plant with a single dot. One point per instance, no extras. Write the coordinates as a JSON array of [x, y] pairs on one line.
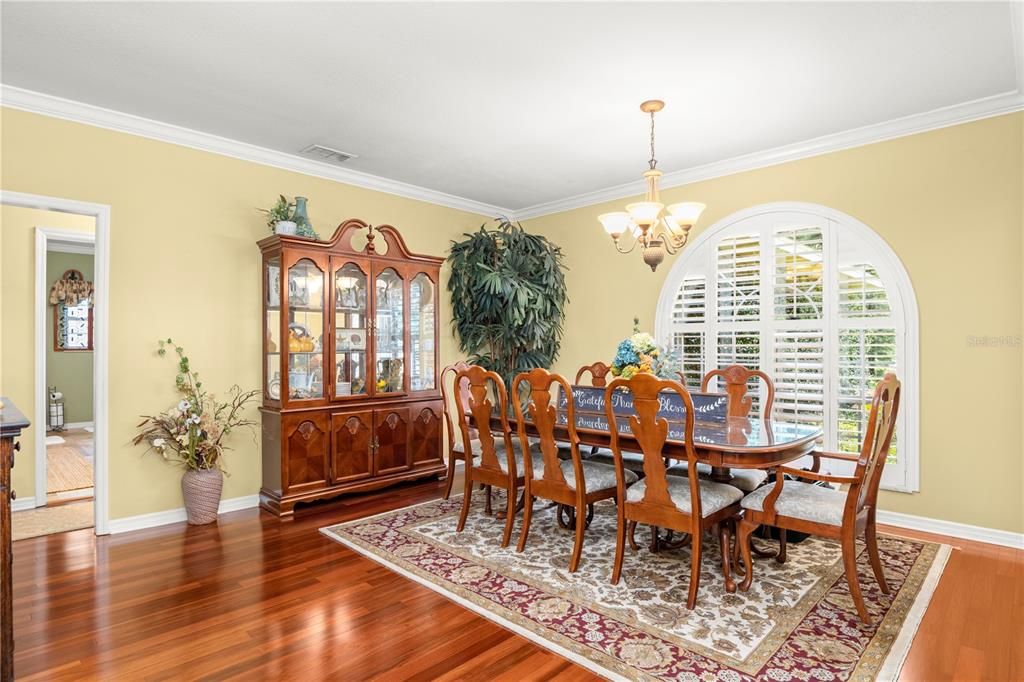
[[193, 434]]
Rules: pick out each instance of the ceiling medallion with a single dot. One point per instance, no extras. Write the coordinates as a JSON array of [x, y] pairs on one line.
[[648, 223]]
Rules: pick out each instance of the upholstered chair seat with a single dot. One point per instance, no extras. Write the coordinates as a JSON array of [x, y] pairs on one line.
[[596, 476], [747, 480], [713, 496], [632, 461], [802, 501]]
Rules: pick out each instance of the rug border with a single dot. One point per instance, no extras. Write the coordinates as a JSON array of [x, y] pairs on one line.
[[900, 649], [543, 643], [889, 669]]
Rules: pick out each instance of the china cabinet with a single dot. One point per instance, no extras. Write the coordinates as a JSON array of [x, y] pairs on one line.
[[351, 400]]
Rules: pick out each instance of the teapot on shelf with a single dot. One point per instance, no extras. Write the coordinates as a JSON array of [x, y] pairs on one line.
[[299, 339]]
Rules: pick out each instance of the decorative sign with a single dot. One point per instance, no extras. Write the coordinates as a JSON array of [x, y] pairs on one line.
[[676, 430], [708, 407]]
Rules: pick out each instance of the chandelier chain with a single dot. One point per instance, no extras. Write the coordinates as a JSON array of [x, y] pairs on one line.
[[653, 161]]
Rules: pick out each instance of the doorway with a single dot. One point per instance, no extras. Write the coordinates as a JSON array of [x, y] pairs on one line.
[[69, 345], [67, 445]]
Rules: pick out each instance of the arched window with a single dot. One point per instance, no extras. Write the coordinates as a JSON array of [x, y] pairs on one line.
[[816, 299]]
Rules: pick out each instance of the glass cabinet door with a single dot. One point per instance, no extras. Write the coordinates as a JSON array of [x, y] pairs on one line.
[[421, 326], [272, 332], [350, 333], [305, 331], [389, 332]]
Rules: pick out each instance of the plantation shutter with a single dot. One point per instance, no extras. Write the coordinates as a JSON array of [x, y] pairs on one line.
[[794, 293], [738, 268]]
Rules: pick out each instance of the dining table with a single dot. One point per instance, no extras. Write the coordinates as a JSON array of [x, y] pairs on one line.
[[722, 441]]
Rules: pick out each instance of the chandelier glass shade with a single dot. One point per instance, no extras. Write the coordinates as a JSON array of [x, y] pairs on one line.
[[657, 230]]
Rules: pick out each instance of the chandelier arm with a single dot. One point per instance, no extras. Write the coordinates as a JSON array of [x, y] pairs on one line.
[[632, 246]]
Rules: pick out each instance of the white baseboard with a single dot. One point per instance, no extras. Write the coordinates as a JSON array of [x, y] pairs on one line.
[[958, 530], [23, 504], [79, 425], [130, 523]]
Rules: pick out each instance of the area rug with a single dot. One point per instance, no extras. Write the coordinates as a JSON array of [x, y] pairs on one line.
[[797, 622], [66, 469], [48, 520], [54, 440]]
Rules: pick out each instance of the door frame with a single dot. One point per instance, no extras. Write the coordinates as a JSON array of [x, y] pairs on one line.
[[101, 339]]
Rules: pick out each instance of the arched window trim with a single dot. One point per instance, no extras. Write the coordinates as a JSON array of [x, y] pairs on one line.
[[892, 272]]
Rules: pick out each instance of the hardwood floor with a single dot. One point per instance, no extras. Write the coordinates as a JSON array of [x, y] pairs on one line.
[[256, 598]]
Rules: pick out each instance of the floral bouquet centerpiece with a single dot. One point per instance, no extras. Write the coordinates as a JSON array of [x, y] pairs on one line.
[[639, 353], [193, 434]]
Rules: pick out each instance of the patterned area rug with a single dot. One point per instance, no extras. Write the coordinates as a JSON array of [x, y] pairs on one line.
[[797, 622]]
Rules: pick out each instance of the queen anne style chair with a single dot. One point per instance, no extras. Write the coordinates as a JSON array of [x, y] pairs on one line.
[[574, 482], [690, 505], [831, 513], [500, 462], [456, 448], [598, 372], [736, 378]]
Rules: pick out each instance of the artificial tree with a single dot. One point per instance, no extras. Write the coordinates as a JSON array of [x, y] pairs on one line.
[[508, 297]]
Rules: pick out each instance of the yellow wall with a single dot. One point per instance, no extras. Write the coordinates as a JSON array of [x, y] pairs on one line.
[[17, 315], [950, 203], [184, 263]]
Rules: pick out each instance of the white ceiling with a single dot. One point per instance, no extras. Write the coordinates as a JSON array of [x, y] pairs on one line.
[[514, 105]]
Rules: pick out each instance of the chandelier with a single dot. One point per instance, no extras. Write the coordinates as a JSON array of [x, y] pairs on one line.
[[656, 229]]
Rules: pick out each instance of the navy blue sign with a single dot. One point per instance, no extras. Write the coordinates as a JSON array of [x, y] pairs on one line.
[[708, 407]]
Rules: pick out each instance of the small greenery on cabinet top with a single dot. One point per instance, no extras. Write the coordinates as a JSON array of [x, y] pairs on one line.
[[508, 297]]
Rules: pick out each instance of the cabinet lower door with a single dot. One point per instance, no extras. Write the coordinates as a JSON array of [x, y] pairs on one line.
[[425, 442], [391, 440], [353, 446], [306, 440]]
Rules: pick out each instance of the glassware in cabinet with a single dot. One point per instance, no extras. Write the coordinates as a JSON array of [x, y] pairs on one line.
[[305, 330], [422, 295], [389, 331], [350, 330]]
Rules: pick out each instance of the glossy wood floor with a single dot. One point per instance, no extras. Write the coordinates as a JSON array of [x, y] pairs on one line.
[[255, 598]]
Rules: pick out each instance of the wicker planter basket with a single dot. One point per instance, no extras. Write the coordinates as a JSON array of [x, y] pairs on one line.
[[201, 490]]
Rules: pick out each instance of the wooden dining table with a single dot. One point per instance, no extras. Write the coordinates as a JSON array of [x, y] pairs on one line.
[[721, 441]]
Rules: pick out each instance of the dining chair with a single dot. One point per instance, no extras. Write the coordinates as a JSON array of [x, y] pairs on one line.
[[598, 371], [500, 463], [689, 505], [832, 513], [575, 482], [456, 447], [737, 382]]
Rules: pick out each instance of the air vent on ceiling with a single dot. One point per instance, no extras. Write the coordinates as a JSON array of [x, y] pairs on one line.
[[319, 151]]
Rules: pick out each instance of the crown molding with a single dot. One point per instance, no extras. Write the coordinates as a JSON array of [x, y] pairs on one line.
[[956, 114], [79, 112], [58, 107]]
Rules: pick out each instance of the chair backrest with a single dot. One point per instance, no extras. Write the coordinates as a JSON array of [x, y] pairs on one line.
[[737, 381], [598, 372], [651, 432], [541, 408], [460, 393], [885, 407], [479, 406]]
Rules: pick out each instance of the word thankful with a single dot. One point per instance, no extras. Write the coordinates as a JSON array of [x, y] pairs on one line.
[[707, 407]]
